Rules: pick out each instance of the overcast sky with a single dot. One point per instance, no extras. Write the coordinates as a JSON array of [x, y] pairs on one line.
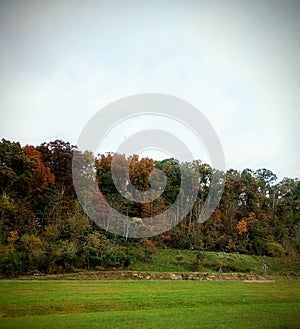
[[236, 61]]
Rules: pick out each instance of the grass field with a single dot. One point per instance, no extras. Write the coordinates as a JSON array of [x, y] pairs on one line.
[[149, 304], [166, 260]]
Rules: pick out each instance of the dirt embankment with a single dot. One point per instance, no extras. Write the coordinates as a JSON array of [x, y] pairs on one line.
[[135, 275]]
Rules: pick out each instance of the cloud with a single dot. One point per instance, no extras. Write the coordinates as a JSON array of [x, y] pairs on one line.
[[237, 62]]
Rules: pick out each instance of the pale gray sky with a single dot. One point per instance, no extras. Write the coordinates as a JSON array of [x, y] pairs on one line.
[[236, 61]]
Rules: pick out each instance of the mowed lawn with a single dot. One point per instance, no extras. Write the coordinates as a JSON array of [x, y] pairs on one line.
[[149, 304]]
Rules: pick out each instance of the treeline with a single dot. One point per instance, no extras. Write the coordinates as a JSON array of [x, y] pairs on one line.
[[43, 227]]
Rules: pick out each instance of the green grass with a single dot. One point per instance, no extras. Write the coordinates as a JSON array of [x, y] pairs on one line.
[[166, 260], [149, 304]]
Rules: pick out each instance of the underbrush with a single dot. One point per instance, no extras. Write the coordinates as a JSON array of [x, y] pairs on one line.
[[171, 260]]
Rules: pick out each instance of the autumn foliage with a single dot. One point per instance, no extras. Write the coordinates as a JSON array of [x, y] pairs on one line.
[[44, 228]]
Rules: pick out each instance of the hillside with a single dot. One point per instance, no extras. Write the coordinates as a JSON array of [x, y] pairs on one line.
[[44, 226]]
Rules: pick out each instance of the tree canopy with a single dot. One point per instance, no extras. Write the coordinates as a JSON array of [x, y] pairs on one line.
[[44, 228]]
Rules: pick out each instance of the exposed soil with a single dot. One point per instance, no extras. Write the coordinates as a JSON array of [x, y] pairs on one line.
[[135, 275]]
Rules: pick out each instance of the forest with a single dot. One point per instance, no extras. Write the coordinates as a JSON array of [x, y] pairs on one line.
[[44, 228]]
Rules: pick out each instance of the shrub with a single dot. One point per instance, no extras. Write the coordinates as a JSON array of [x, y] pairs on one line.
[[195, 265], [275, 249]]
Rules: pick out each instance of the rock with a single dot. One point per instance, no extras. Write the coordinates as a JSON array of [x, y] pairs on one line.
[[211, 278], [175, 276]]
